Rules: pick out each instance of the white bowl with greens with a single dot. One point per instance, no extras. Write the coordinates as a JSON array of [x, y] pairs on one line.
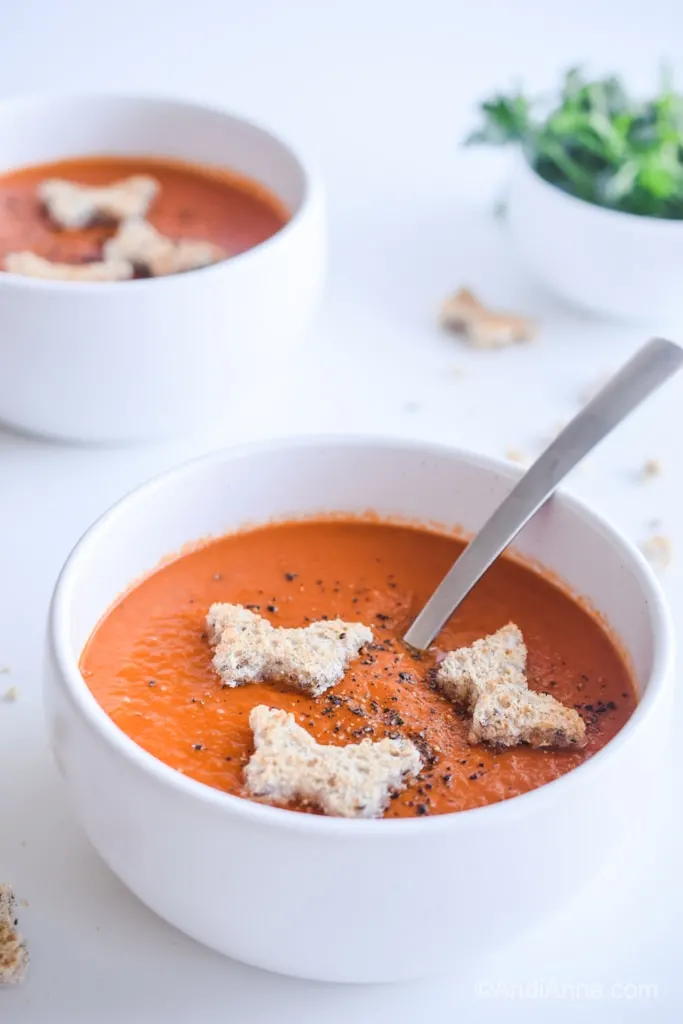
[[595, 206]]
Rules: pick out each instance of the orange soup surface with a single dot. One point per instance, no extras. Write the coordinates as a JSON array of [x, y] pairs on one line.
[[194, 202], [148, 662]]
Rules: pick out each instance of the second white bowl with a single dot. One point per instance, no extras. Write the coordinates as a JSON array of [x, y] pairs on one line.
[[615, 264], [146, 358]]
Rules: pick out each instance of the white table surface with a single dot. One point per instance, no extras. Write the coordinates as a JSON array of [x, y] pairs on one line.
[[381, 91]]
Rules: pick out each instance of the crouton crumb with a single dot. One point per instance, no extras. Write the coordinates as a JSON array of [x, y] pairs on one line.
[[11, 695], [138, 242], [515, 455], [482, 327], [28, 264], [489, 679], [658, 550], [353, 781], [74, 206], [249, 649], [651, 469], [14, 956]]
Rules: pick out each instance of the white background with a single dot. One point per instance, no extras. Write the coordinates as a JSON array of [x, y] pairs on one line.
[[381, 93]]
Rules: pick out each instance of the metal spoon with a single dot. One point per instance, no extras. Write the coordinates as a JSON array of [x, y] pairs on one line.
[[641, 375]]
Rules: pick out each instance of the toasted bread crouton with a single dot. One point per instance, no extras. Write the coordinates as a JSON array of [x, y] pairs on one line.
[[30, 265], [141, 244], [74, 206], [489, 680], [467, 673], [249, 649], [508, 715], [482, 327], [658, 550], [651, 469], [355, 781], [14, 955]]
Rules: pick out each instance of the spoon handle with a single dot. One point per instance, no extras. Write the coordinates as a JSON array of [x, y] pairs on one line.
[[653, 364]]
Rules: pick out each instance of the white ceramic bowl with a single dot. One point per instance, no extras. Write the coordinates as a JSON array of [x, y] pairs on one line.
[[146, 358], [615, 264], [329, 898]]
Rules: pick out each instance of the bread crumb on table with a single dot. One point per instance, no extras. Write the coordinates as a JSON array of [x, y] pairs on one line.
[[651, 469], [481, 327], [73, 206], [489, 679], [11, 695], [14, 956], [249, 649], [658, 550], [353, 781]]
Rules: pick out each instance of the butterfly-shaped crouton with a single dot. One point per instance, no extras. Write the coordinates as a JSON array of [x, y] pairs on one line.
[[249, 649], [354, 781], [489, 680]]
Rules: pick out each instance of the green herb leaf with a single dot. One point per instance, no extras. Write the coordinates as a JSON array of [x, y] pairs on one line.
[[597, 143]]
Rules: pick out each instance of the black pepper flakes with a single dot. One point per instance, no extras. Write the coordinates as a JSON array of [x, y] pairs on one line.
[[197, 746], [152, 682], [289, 576], [422, 809], [271, 608]]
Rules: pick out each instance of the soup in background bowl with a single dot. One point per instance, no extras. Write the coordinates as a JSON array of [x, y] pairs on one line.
[[327, 897], [138, 359], [192, 202]]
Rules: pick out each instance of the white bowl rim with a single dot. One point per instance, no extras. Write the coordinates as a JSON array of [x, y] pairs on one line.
[[278, 817], [311, 187], [672, 224]]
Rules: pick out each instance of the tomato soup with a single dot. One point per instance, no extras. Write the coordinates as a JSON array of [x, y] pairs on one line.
[[148, 662], [194, 202]]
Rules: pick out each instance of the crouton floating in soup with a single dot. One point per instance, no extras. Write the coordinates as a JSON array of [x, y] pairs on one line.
[[489, 679], [354, 781], [249, 649], [29, 265], [241, 701], [72, 205], [139, 243]]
